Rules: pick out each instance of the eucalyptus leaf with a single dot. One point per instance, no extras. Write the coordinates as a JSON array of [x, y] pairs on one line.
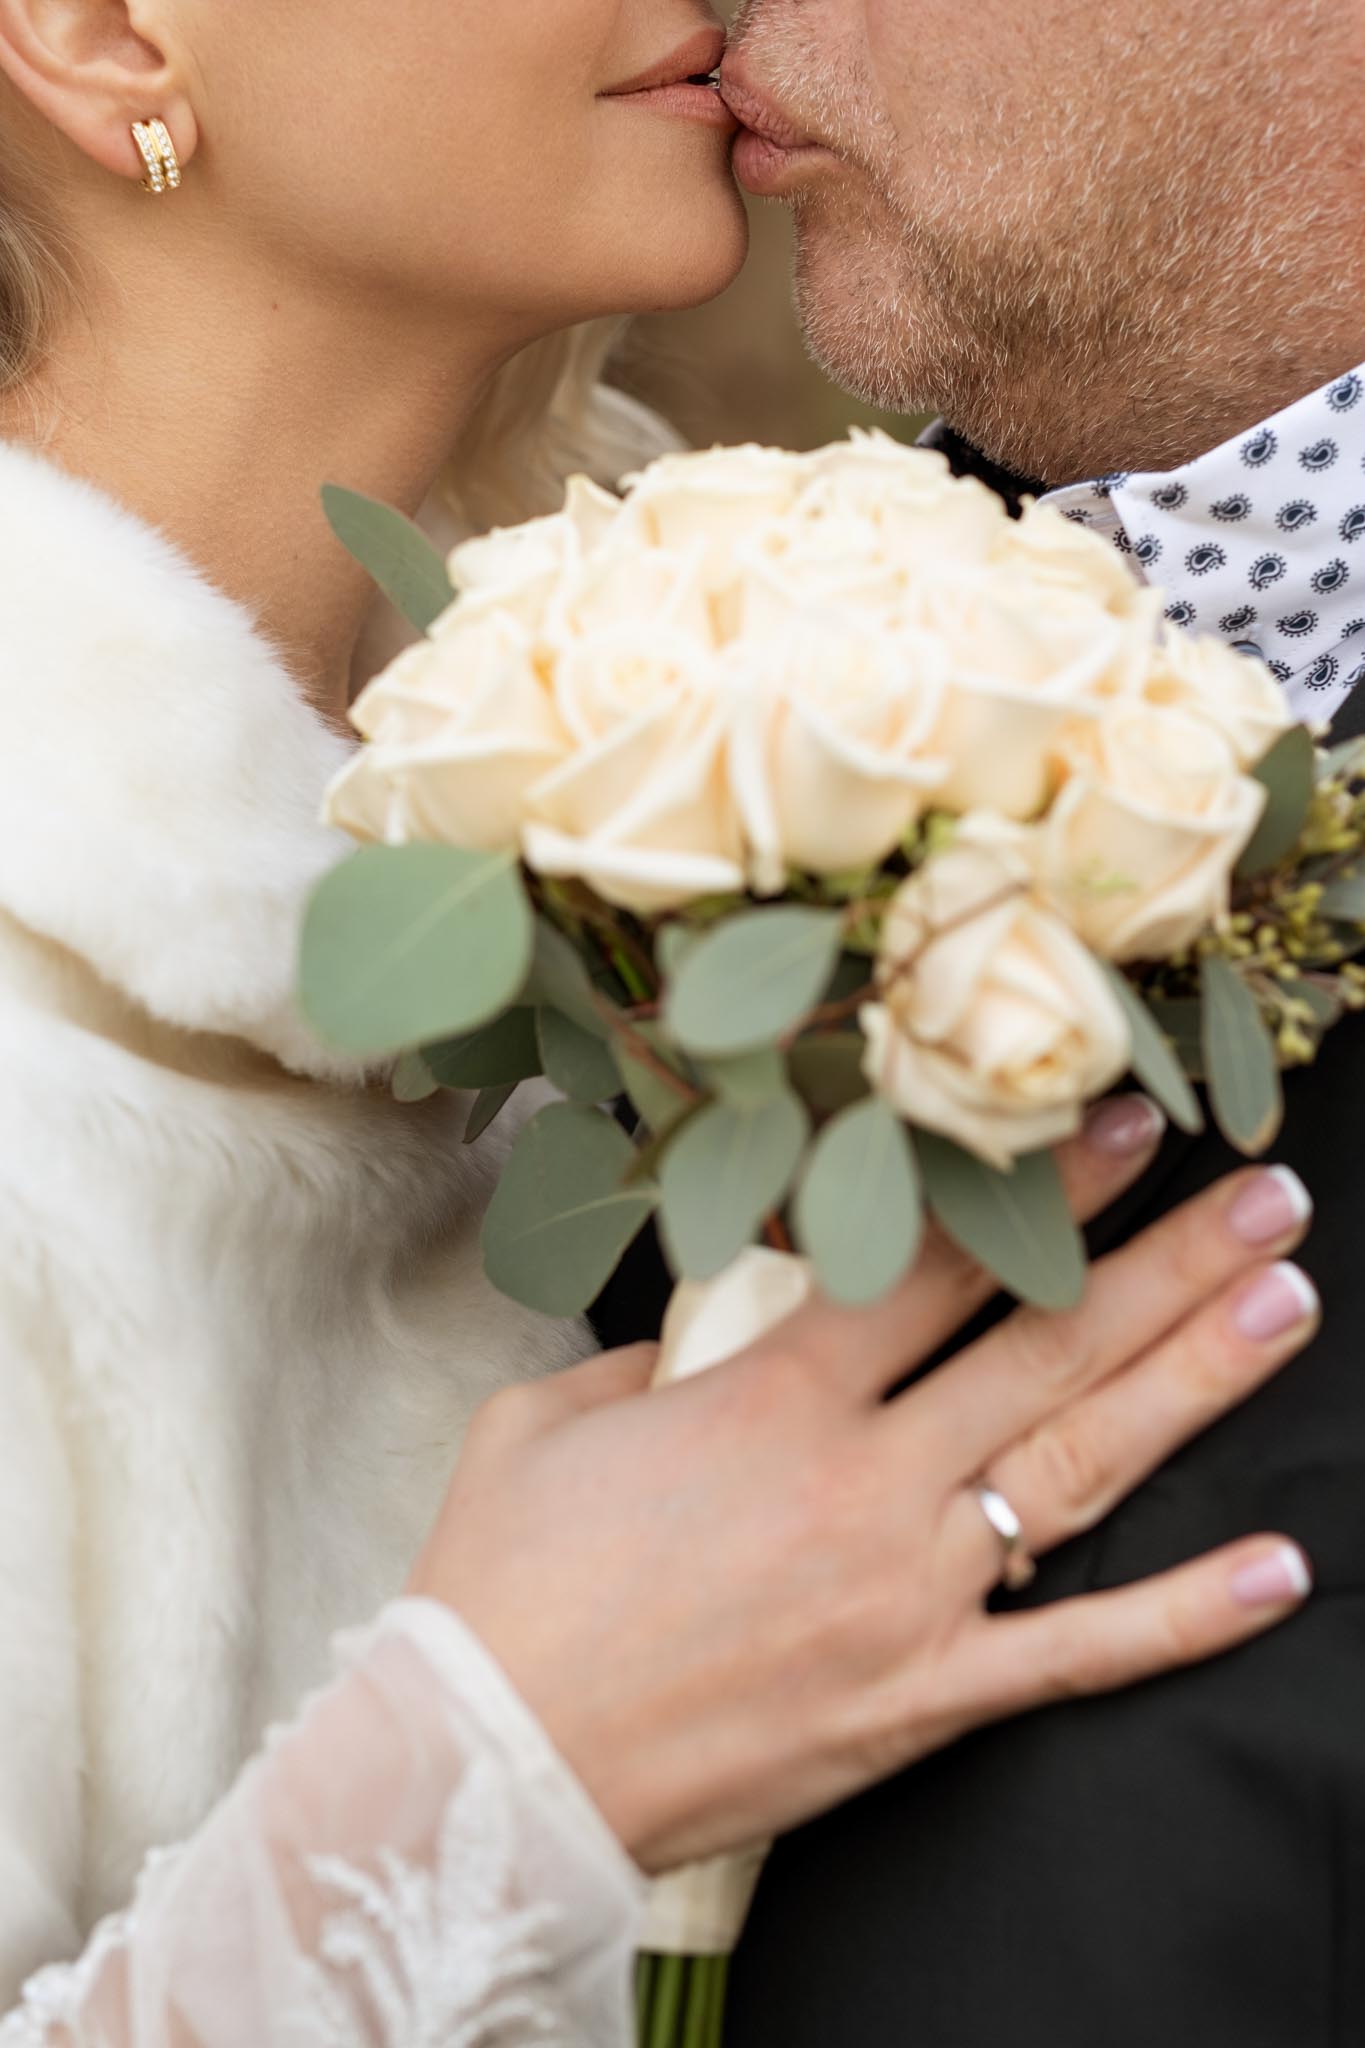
[[1324, 1003], [1344, 896], [397, 554], [859, 1215], [412, 1080], [1181, 1019], [563, 1213], [1244, 1079], [752, 978], [747, 1079], [656, 1099], [672, 947], [403, 945], [576, 1062], [559, 980], [1289, 774], [727, 1170], [852, 976], [672, 944], [827, 1071], [1017, 1225], [489, 1104], [1154, 1059], [1346, 758], [505, 1051]]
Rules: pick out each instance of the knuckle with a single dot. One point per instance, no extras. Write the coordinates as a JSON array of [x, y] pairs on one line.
[[1075, 1469], [511, 1413], [1210, 1365], [771, 1390], [1075, 1663], [1055, 1350]]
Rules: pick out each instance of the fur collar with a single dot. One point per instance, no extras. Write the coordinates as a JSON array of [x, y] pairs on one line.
[[160, 773]]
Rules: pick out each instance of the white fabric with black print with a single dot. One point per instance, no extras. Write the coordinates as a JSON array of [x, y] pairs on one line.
[[1261, 542]]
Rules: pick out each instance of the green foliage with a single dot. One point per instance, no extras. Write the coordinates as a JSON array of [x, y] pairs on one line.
[[505, 1051], [1017, 1225], [1154, 1059], [576, 1061], [396, 553], [559, 980], [655, 1098], [489, 1104], [406, 944], [564, 1212], [727, 1170], [1289, 774], [747, 1079], [858, 1212], [827, 1072], [672, 944], [1181, 1022], [752, 979], [1344, 896], [1244, 1078]]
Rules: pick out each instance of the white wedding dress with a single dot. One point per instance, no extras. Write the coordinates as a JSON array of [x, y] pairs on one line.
[[407, 1865]]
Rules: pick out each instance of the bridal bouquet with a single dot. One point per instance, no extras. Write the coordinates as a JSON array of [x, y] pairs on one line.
[[850, 838]]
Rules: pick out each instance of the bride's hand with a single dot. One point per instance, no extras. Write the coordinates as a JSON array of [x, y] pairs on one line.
[[737, 1601]]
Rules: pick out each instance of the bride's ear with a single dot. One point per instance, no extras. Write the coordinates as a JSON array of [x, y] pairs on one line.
[[94, 67]]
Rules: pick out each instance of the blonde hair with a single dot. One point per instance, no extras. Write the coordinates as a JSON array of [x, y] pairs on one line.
[[547, 416]]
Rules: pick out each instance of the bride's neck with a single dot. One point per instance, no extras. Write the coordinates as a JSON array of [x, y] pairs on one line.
[[217, 416]]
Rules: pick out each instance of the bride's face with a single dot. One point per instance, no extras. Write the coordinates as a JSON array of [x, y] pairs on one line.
[[479, 154]]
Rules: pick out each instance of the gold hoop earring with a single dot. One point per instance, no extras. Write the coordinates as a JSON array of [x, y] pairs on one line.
[[153, 139]]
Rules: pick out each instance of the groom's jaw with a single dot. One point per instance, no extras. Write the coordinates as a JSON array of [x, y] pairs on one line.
[[1097, 238]]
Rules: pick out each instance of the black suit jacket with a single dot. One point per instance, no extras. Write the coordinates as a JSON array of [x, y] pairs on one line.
[[1179, 1866]]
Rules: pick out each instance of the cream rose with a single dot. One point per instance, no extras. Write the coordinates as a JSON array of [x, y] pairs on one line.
[[994, 1025], [1236, 695], [1138, 849], [516, 563], [909, 500], [1024, 661], [829, 755], [1063, 555], [459, 730], [640, 806], [706, 504]]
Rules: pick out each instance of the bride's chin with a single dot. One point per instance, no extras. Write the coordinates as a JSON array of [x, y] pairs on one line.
[[693, 251]]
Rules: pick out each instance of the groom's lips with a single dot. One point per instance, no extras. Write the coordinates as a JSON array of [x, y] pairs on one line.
[[771, 154]]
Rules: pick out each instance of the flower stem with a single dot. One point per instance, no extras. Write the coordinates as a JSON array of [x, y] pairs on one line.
[[668, 1990]]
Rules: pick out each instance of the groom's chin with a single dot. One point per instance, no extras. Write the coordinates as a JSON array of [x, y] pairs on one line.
[[853, 307]]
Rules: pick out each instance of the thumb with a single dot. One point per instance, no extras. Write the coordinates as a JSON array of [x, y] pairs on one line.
[[611, 1376]]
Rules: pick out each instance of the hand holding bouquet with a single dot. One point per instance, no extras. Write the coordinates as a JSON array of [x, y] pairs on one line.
[[855, 835]]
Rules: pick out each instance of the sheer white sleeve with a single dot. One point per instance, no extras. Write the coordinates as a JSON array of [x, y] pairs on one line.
[[408, 1865]]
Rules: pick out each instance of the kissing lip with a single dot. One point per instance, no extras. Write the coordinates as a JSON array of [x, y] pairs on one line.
[[758, 114], [772, 156], [697, 59]]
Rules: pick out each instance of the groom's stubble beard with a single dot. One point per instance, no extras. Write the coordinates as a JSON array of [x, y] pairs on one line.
[[1087, 279]]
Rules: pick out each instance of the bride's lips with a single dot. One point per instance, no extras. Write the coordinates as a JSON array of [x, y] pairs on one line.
[[771, 155], [683, 83]]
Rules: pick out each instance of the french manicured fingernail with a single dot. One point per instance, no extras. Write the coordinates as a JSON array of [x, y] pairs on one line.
[[1271, 1205], [1282, 1576], [1276, 1302], [1123, 1125]]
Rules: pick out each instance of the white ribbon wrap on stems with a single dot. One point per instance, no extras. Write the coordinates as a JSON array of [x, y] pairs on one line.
[[700, 1910]]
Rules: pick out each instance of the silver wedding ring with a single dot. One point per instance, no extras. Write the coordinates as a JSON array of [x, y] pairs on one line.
[[1017, 1568]]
